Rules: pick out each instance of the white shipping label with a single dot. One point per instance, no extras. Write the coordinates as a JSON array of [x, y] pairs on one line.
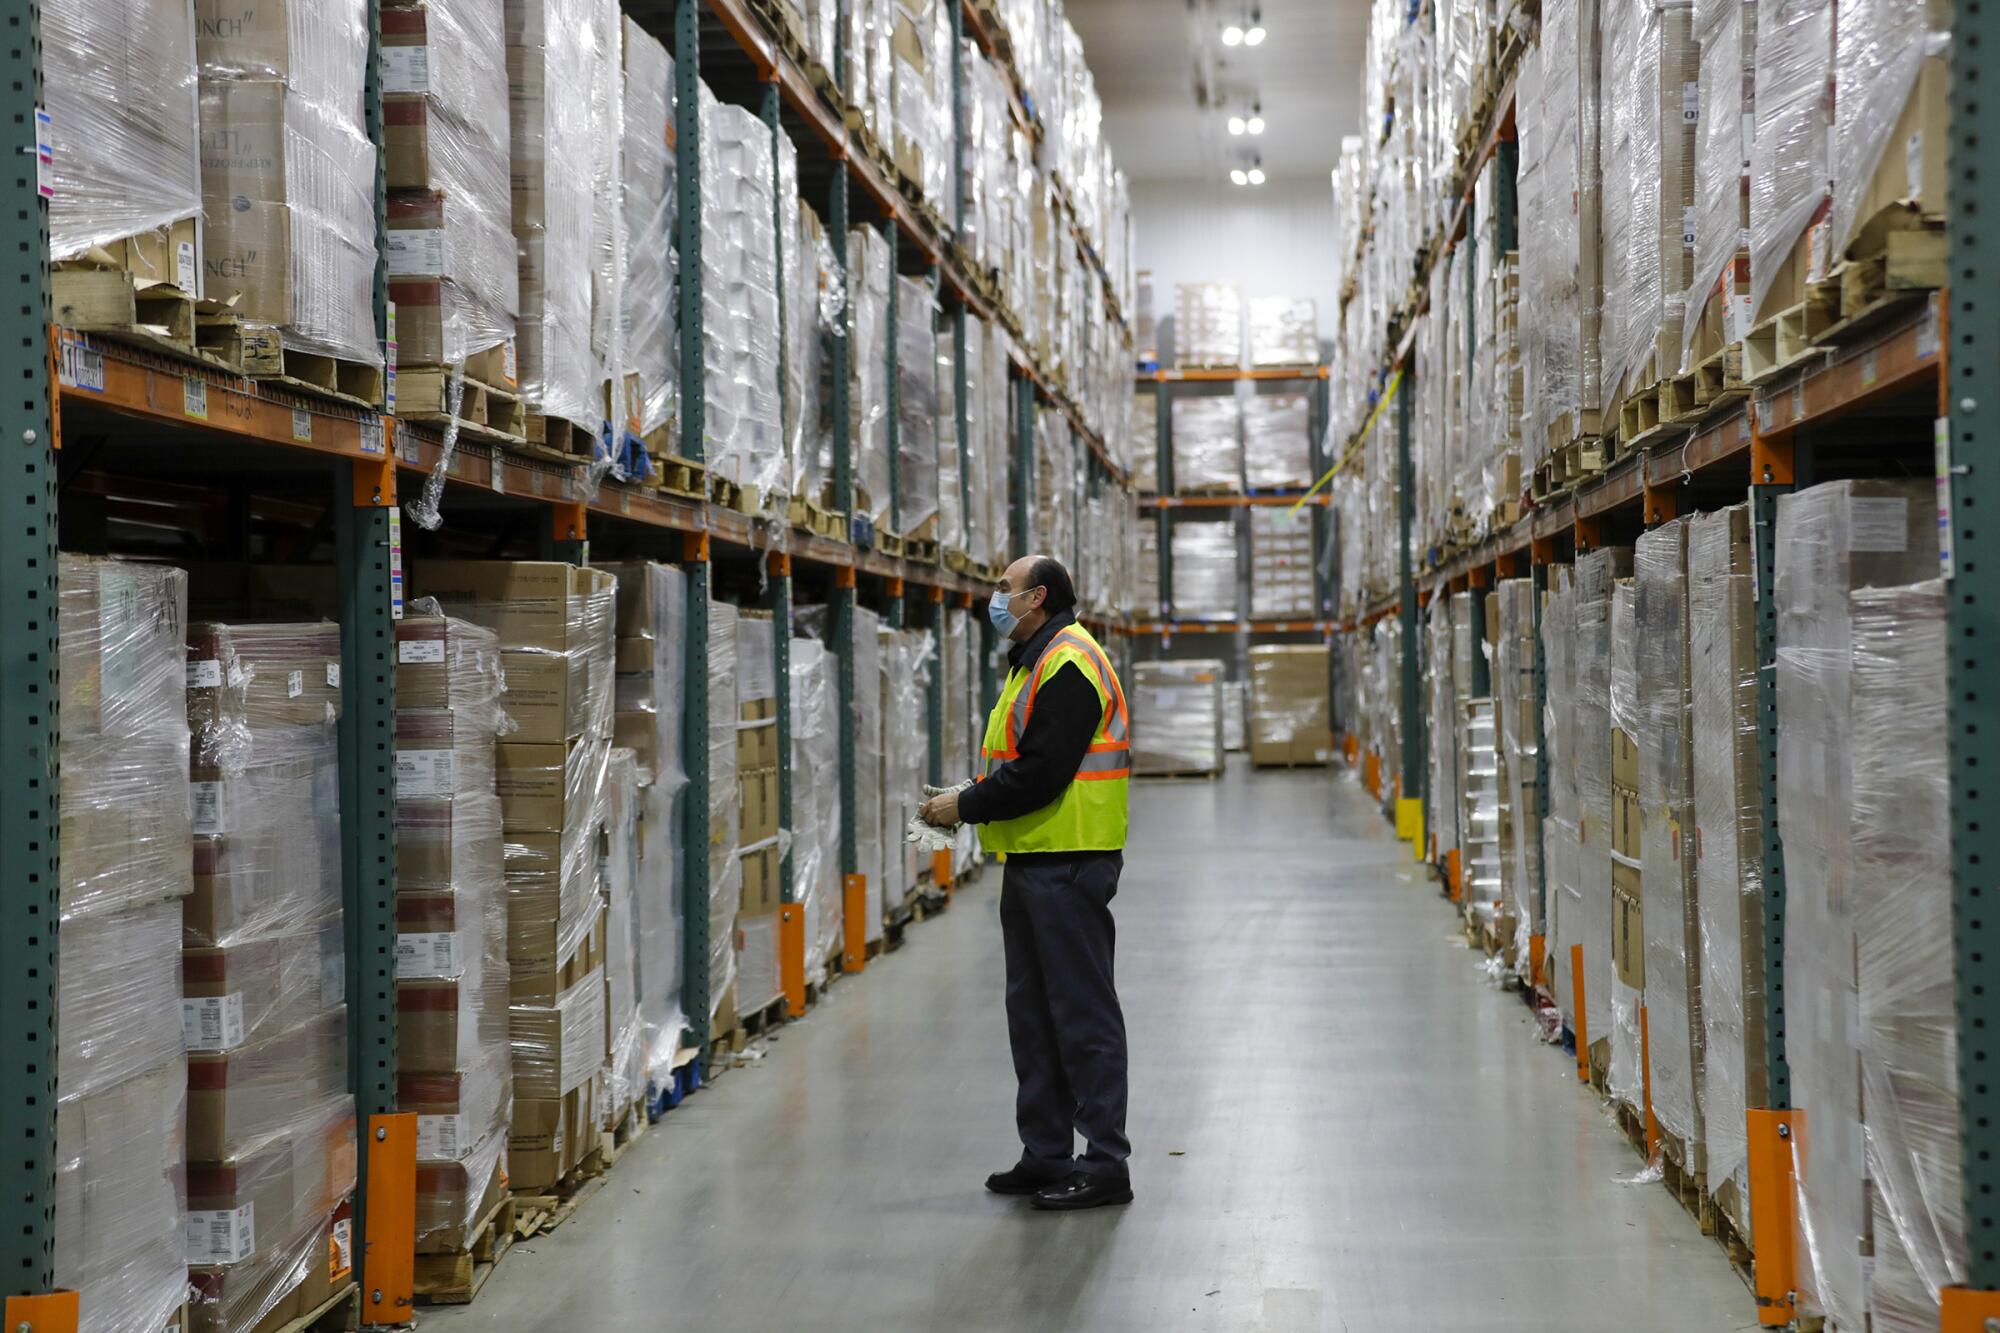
[[1687, 228], [222, 1235], [295, 684], [424, 772], [340, 1249], [121, 630], [440, 1138], [1913, 164], [1164, 699], [332, 978], [1878, 523], [333, 675], [415, 254], [406, 69], [425, 954], [212, 1023], [420, 650], [187, 274], [205, 806], [1690, 103]]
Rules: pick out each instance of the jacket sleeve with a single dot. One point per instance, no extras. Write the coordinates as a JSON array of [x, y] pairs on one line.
[[1051, 749]]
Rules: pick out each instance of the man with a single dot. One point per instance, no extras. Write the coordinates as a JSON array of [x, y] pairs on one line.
[[1052, 799]]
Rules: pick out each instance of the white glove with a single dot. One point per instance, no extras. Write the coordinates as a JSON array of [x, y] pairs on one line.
[[928, 837], [946, 791]]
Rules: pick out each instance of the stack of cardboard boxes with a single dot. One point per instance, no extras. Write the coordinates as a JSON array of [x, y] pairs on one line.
[[623, 1079], [1288, 704], [758, 853], [121, 1070], [454, 1068], [725, 805], [1626, 1074], [554, 625], [271, 1153], [1281, 563]]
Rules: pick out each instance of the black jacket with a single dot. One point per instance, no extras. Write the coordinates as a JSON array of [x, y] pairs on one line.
[[1050, 748]]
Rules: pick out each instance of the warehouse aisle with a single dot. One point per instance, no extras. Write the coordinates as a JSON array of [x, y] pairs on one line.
[[1337, 1124]]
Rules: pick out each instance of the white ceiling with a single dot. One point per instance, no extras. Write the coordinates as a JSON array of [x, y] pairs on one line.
[[1150, 58]]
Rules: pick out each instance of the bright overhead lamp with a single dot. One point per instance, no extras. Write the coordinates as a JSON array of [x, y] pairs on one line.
[[1255, 124], [1233, 36], [1237, 125], [1256, 175], [1254, 37], [1237, 176]]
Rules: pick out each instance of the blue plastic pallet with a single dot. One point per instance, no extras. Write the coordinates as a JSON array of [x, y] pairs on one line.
[[661, 1099]]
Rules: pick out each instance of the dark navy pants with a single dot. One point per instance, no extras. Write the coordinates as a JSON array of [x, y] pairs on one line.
[[1063, 1018]]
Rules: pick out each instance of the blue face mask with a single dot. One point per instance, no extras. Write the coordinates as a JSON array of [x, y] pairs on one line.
[[1000, 611]]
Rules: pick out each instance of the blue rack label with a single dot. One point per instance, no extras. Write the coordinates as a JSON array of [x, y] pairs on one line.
[[79, 364], [371, 435], [396, 562], [45, 154]]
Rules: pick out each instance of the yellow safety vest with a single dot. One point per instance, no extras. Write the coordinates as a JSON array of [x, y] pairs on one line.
[[1090, 814]]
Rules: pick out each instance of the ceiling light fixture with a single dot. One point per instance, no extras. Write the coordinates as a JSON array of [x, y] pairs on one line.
[[1256, 175], [1254, 36], [1233, 36], [1254, 125], [1237, 176], [1237, 125]]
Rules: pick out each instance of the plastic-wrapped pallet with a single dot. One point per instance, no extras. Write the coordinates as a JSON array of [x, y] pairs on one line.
[[1477, 778], [1559, 831], [1281, 562], [1903, 930], [816, 816], [1832, 541], [908, 659], [1789, 163], [454, 1063], [739, 262], [1520, 735], [1719, 294], [649, 299], [917, 404], [870, 851], [1625, 1077], [1671, 920], [1277, 440], [1148, 579], [1208, 447], [1208, 324], [1889, 123], [760, 836], [287, 175], [1728, 844], [1235, 726], [121, 1068], [1205, 570], [1177, 717], [454, 274], [868, 366], [1284, 331], [1440, 704], [1288, 721], [127, 167], [1145, 437], [625, 1055], [263, 966], [999, 444], [922, 94], [724, 806], [1589, 890]]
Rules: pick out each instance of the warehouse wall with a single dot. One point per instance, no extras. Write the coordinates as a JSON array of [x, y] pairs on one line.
[[1276, 239]]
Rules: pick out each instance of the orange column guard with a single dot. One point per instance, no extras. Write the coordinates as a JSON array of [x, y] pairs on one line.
[[941, 871], [1646, 1082], [854, 923], [389, 1245], [1776, 1144], [792, 956], [1582, 1016], [50, 1312], [1964, 1311]]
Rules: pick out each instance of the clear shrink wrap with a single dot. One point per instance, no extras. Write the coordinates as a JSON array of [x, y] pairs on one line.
[[1625, 1077], [561, 56], [1726, 32], [453, 271], [724, 801], [1205, 570], [650, 297], [1559, 831], [1145, 437], [1235, 735], [121, 1069], [1905, 964], [1831, 541], [1208, 325], [625, 1053], [917, 402], [908, 659], [261, 1225], [288, 171], [953, 471], [1672, 919], [1476, 776], [1177, 717], [120, 79], [957, 728], [1288, 721], [1148, 576], [1890, 63], [1728, 844], [1597, 574], [559, 1045], [1520, 762], [1284, 331], [816, 815], [1789, 164], [870, 852], [868, 397], [1442, 812], [1208, 444], [920, 46], [1277, 440], [739, 261]]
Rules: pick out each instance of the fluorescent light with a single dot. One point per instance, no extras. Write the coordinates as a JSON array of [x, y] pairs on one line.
[[1233, 36], [1256, 175], [1236, 125], [1255, 125], [1255, 36], [1237, 177]]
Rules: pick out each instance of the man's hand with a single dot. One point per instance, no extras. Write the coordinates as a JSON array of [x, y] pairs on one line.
[[941, 811]]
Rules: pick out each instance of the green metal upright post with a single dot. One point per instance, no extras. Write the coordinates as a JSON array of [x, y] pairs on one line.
[[1540, 584], [893, 396], [1163, 433], [1412, 695], [934, 699], [1974, 490], [1021, 485], [694, 735], [1764, 496], [841, 628], [29, 731], [778, 600]]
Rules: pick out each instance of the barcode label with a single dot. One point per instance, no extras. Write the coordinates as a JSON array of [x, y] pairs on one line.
[[80, 366], [194, 398], [302, 426], [295, 684], [424, 772], [212, 1023], [333, 675], [415, 253], [406, 69], [420, 650], [1690, 103], [440, 1138], [426, 954], [371, 435], [340, 1249], [206, 806], [205, 674], [222, 1235]]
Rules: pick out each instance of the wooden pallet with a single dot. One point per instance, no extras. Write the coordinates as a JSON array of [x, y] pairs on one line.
[[731, 495], [1718, 379], [758, 1022], [1644, 418], [539, 1211], [1686, 1183], [1782, 342], [338, 1313], [455, 1277], [1568, 465], [1861, 291], [807, 516], [680, 476], [112, 301], [558, 437], [623, 1134], [485, 412], [1182, 775]]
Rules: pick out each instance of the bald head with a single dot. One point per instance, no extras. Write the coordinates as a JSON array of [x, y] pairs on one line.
[[1037, 587]]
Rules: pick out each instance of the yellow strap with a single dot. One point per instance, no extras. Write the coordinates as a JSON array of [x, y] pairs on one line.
[[1388, 392]]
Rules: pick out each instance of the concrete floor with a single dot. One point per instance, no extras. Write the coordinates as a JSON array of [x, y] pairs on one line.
[[1337, 1125]]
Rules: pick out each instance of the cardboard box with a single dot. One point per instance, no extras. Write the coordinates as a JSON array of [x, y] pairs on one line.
[[550, 1136], [1624, 761], [763, 880], [1289, 718], [262, 675], [441, 661], [444, 843], [1628, 934], [548, 696], [238, 1096], [546, 788], [451, 1199], [542, 979], [1625, 820], [758, 820], [530, 604], [756, 745], [237, 994], [262, 38]]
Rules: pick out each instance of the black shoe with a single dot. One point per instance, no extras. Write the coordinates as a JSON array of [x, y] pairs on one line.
[[1021, 1180], [1084, 1190]]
